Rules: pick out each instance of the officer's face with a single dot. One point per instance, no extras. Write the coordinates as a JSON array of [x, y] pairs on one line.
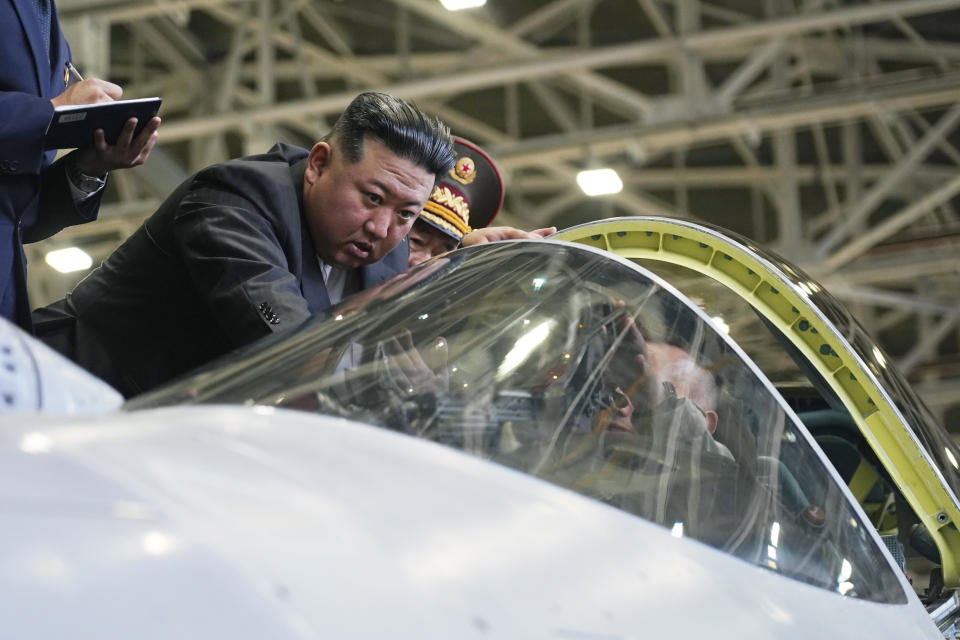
[[357, 213], [427, 241]]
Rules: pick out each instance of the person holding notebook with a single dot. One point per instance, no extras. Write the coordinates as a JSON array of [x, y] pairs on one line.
[[39, 197]]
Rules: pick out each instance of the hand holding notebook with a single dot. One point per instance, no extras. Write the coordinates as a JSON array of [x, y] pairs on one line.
[[73, 125]]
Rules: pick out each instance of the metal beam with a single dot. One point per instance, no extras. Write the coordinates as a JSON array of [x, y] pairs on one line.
[[617, 55], [887, 228], [928, 343], [492, 35], [892, 299], [859, 210], [798, 111]]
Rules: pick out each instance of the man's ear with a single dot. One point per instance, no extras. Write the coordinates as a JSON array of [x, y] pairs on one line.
[[317, 161], [711, 421]]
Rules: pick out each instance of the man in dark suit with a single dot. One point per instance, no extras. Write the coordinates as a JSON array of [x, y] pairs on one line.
[[38, 198], [254, 246]]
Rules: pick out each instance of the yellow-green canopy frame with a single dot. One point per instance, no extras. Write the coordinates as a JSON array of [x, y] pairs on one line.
[[772, 293]]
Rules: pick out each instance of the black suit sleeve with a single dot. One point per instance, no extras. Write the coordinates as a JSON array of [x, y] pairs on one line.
[[238, 257]]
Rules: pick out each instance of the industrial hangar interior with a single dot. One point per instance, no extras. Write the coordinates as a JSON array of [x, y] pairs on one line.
[[826, 131]]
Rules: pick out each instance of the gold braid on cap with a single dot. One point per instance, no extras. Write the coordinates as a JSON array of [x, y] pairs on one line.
[[451, 208]]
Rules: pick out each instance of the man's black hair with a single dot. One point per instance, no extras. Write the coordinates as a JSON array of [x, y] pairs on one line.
[[399, 126]]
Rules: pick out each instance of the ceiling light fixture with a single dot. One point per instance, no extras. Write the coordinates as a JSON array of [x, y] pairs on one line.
[[599, 182], [69, 259], [456, 5]]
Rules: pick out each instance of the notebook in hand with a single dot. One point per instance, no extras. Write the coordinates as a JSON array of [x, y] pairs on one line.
[[73, 125]]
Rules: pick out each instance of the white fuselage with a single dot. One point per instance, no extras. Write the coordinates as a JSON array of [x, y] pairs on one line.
[[246, 522]]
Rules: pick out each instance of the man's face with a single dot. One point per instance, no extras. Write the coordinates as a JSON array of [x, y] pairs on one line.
[[357, 213], [630, 367], [426, 241]]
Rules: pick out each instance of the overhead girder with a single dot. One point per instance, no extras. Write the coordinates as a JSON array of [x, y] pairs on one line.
[[573, 63], [752, 86]]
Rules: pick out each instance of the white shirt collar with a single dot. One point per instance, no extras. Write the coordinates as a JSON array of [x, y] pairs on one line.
[[340, 283]]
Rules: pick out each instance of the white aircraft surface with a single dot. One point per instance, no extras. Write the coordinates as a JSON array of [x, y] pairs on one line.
[[511, 441]]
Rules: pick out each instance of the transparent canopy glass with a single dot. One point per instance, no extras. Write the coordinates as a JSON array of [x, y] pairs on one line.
[[583, 370]]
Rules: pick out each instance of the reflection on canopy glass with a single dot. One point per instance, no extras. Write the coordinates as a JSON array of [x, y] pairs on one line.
[[584, 371]]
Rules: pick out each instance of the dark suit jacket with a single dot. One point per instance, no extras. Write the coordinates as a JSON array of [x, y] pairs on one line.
[[35, 197], [226, 259]]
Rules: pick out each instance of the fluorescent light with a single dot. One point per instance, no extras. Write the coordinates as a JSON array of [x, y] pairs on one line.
[[721, 324], [69, 259], [598, 182], [456, 5], [522, 349]]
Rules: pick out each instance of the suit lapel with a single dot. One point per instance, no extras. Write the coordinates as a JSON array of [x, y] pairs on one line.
[[373, 274], [311, 279], [31, 26], [311, 276], [390, 265]]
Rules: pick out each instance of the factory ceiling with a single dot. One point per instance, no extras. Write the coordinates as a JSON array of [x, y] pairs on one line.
[[825, 130]]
